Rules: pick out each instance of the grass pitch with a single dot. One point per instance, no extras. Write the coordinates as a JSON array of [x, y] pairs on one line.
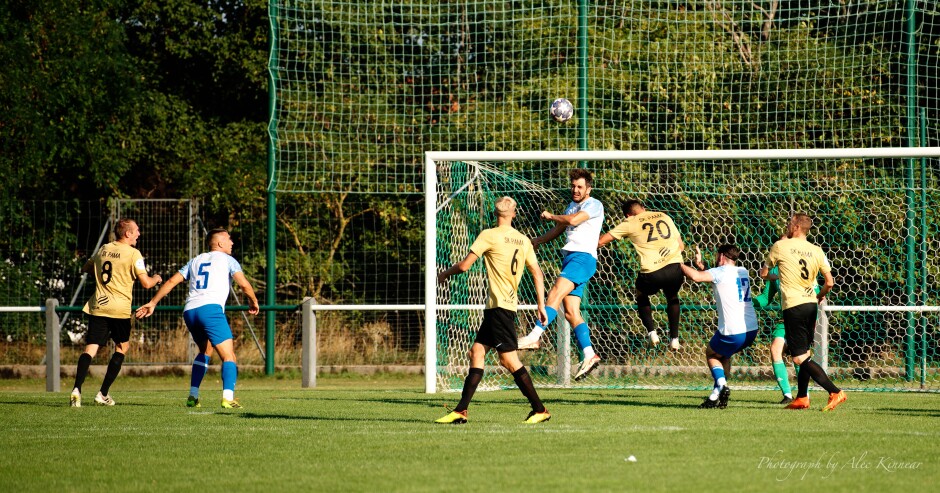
[[376, 434]]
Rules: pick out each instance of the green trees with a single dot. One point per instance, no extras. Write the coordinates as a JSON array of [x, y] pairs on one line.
[[133, 99], [169, 98]]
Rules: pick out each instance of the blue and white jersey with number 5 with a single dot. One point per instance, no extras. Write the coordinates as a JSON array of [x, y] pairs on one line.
[[732, 287], [210, 279]]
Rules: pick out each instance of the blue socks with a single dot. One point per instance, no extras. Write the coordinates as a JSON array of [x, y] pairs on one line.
[[200, 366], [552, 313], [718, 373], [229, 375], [583, 335]]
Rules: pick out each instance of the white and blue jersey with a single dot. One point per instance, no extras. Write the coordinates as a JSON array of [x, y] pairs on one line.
[[210, 279], [583, 237], [732, 288]]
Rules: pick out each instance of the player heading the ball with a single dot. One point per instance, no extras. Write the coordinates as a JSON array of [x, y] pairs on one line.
[[581, 223]]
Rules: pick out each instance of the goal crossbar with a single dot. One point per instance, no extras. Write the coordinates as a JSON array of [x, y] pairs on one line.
[[683, 155]]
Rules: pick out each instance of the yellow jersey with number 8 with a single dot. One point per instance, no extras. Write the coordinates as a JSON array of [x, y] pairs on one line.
[[116, 267]]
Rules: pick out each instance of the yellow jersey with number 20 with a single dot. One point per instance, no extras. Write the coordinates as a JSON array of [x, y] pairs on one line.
[[655, 237]]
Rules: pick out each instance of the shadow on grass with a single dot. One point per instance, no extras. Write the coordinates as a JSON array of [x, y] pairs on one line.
[[369, 419], [386, 400], [894, 411], [65, 403], [437, 400]]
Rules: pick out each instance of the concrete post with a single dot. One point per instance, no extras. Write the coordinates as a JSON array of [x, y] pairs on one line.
[[308, 323], [53, 333]]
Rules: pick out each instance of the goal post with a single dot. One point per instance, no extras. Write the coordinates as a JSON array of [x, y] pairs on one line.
[[868, 209]]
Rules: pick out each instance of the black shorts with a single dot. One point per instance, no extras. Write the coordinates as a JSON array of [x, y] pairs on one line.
[[668, 280], [800, 325], [100, 329], [498, 330]]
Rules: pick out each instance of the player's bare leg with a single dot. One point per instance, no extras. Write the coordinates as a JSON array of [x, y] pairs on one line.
[[556, 295]]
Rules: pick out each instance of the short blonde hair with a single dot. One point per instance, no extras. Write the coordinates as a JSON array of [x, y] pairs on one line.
[[505, 206]]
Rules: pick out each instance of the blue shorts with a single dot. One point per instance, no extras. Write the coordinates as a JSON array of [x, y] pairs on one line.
[[729, 345], [208, 322], [578, 267]]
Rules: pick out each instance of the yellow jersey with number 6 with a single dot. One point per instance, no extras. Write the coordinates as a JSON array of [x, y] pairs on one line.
[[800, 262], [116, 267], [506, 253]]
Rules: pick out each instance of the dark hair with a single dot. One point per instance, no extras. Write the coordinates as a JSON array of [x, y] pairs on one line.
[[579, 173], [211, 235], [730, 252], [628, 206], [803, 221], [121, 227]]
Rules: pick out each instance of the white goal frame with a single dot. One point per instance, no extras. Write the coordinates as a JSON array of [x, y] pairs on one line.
[[433, 157]]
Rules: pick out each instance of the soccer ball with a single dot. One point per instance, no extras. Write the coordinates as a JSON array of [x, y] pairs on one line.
[[561, 110]]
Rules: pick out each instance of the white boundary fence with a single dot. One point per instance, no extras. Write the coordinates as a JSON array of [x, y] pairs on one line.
[[309, 309]]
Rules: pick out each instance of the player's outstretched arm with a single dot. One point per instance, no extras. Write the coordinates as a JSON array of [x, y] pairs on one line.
[[242, 281], [148, 309], [538, 278], [605, 239], [550, 235], [770, 291], [696, 275], [458, 268]]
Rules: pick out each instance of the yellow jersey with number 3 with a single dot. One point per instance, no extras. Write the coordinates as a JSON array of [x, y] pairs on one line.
[[799, 262], [116, 267], [506, 254], [655, 237]]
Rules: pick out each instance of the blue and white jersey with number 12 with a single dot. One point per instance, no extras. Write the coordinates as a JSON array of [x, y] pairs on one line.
[[210, 279], [733, 296]]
